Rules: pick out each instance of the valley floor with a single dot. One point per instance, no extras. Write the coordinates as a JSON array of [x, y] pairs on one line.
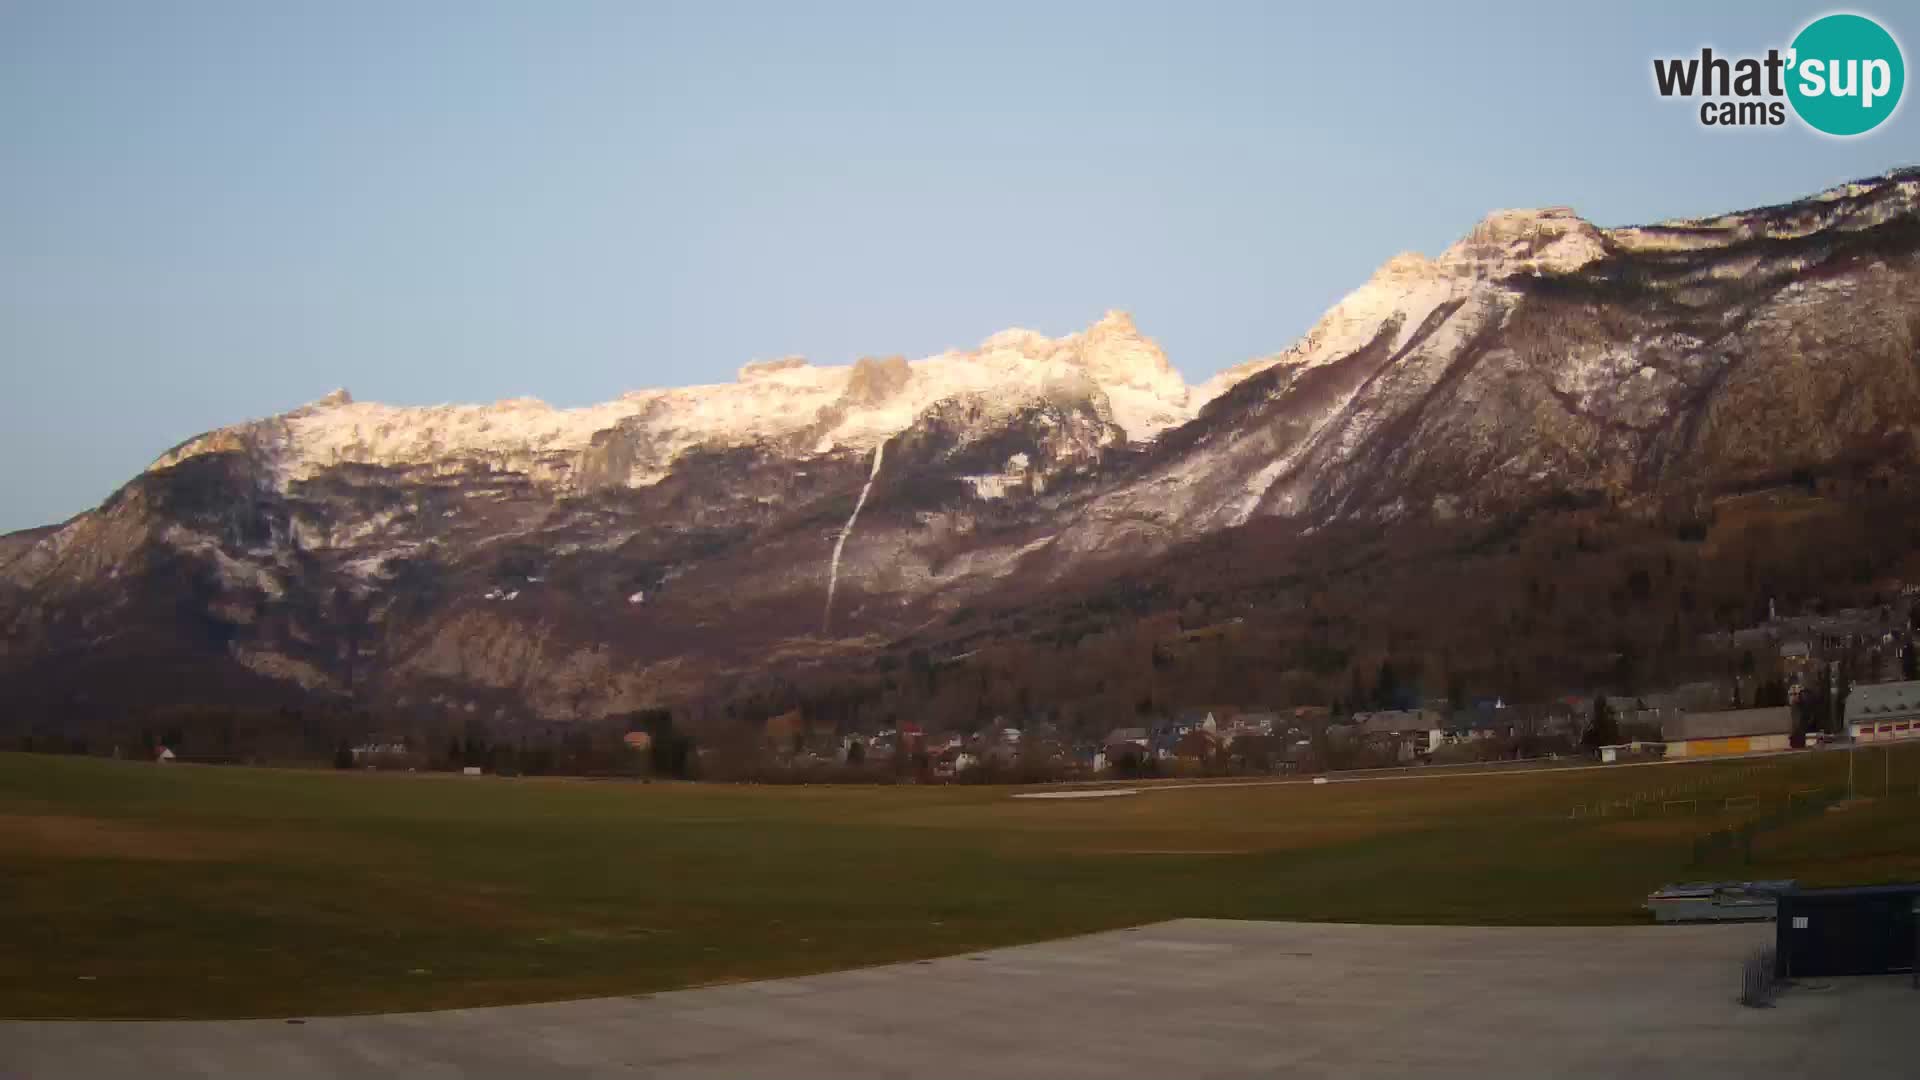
[[130, 890]]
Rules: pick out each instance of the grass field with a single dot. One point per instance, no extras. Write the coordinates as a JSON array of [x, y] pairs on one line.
[[138, 890]]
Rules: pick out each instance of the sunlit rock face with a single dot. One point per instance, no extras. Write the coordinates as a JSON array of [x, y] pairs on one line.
[[536, 562]]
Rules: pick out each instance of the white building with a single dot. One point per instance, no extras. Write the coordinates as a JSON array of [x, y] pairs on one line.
[[1881, 712]]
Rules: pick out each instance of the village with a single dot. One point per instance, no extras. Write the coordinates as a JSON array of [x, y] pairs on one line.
[[1845, 676], [1794, 683]]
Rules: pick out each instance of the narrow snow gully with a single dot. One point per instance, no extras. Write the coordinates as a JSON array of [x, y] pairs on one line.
[[833, 568]]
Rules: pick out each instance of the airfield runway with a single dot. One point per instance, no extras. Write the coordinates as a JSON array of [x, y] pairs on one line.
[[1192, 998]]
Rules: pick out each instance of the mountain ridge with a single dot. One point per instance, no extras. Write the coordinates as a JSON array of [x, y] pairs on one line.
[[523, 561]]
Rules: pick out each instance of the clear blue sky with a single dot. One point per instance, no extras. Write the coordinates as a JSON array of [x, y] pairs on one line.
[[215, 211]]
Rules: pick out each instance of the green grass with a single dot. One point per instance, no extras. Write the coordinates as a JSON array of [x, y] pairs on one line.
[[138, 890]]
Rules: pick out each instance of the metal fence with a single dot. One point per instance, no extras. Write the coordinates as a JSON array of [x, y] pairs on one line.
[[1681, 797], [1736, 841]]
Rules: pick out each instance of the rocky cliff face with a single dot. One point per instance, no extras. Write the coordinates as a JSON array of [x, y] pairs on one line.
[[1541, 355], [527, 561]]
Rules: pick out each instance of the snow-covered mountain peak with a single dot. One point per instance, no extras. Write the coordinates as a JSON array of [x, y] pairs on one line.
[[1403, 292], [1110, 365], [1114, 348], [1409, 288], [1510, 242], [1110, 361]]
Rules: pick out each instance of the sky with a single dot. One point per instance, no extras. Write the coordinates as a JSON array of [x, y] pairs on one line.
[[215, 211]]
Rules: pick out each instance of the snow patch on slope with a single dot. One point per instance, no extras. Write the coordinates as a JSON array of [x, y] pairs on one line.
[[839, 545]]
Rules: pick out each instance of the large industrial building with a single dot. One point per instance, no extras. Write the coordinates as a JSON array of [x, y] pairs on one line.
[[1738, 731]]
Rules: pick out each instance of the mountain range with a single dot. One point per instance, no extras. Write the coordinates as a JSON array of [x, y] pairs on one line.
[[531, 564]]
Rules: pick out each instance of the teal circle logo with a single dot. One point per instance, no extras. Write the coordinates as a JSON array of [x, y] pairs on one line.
[[1846, 76]]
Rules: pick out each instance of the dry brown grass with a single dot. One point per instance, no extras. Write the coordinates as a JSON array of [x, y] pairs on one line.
[[70, 837], [246, 892]]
